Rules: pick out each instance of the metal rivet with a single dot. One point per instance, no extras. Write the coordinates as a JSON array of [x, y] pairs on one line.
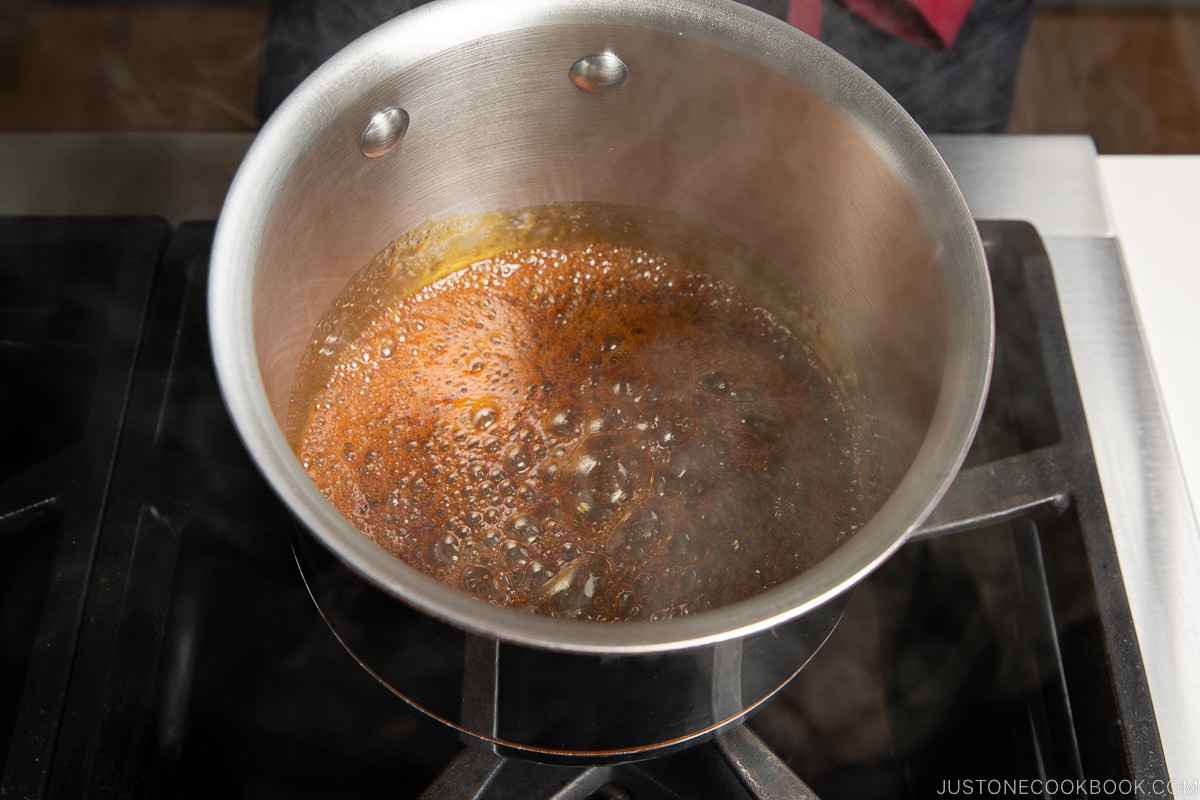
[[383, 132], [599, 72]]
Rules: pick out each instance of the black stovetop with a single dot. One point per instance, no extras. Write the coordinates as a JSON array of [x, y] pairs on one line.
[[156, 639]]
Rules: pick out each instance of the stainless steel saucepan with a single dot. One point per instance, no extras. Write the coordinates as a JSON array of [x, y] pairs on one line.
[[701, 108]]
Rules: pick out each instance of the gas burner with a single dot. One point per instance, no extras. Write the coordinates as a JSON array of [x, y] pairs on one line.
[[155, 624]]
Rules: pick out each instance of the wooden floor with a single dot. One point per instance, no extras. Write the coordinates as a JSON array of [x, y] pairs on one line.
[[1130, 79]]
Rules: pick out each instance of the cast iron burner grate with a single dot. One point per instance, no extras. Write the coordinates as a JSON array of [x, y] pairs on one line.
[[155, 640]]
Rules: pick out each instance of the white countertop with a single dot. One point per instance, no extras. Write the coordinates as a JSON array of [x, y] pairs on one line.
[[1154, 202]]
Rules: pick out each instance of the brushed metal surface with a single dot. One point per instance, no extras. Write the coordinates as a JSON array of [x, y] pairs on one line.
[[384, 132], [1153, 523], [1050, 181], [600, 72]]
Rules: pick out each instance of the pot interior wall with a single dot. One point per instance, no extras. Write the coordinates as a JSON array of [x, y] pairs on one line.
[[697, 131]]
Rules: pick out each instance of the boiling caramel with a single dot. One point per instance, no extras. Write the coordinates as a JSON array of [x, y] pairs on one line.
[[590, 431]]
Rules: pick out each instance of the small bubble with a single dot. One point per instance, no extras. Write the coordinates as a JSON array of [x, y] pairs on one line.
[[663, 483], [563, 421], [526, 527], [687, 461], [689, 581], [535, 576], [761, 428], [779, 478], [667, 433], [479, 581], [638, 536], [626, 602], [624, 386], [715, 383], [446, 550], [684, 542], [517, 457], [715, 519], [745, 394], [617, 417], [515, 554]]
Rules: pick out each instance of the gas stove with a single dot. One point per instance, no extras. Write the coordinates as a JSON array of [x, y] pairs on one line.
[[158, 638]]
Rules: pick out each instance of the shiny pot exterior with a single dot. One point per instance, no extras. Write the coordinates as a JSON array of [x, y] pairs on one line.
[[551, 706], [704, 109]]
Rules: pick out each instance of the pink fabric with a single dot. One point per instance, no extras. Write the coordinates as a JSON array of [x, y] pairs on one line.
[[929, 23], [805, 15]]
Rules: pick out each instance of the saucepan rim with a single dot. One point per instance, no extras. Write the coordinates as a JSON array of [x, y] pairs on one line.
[[444, 24]]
